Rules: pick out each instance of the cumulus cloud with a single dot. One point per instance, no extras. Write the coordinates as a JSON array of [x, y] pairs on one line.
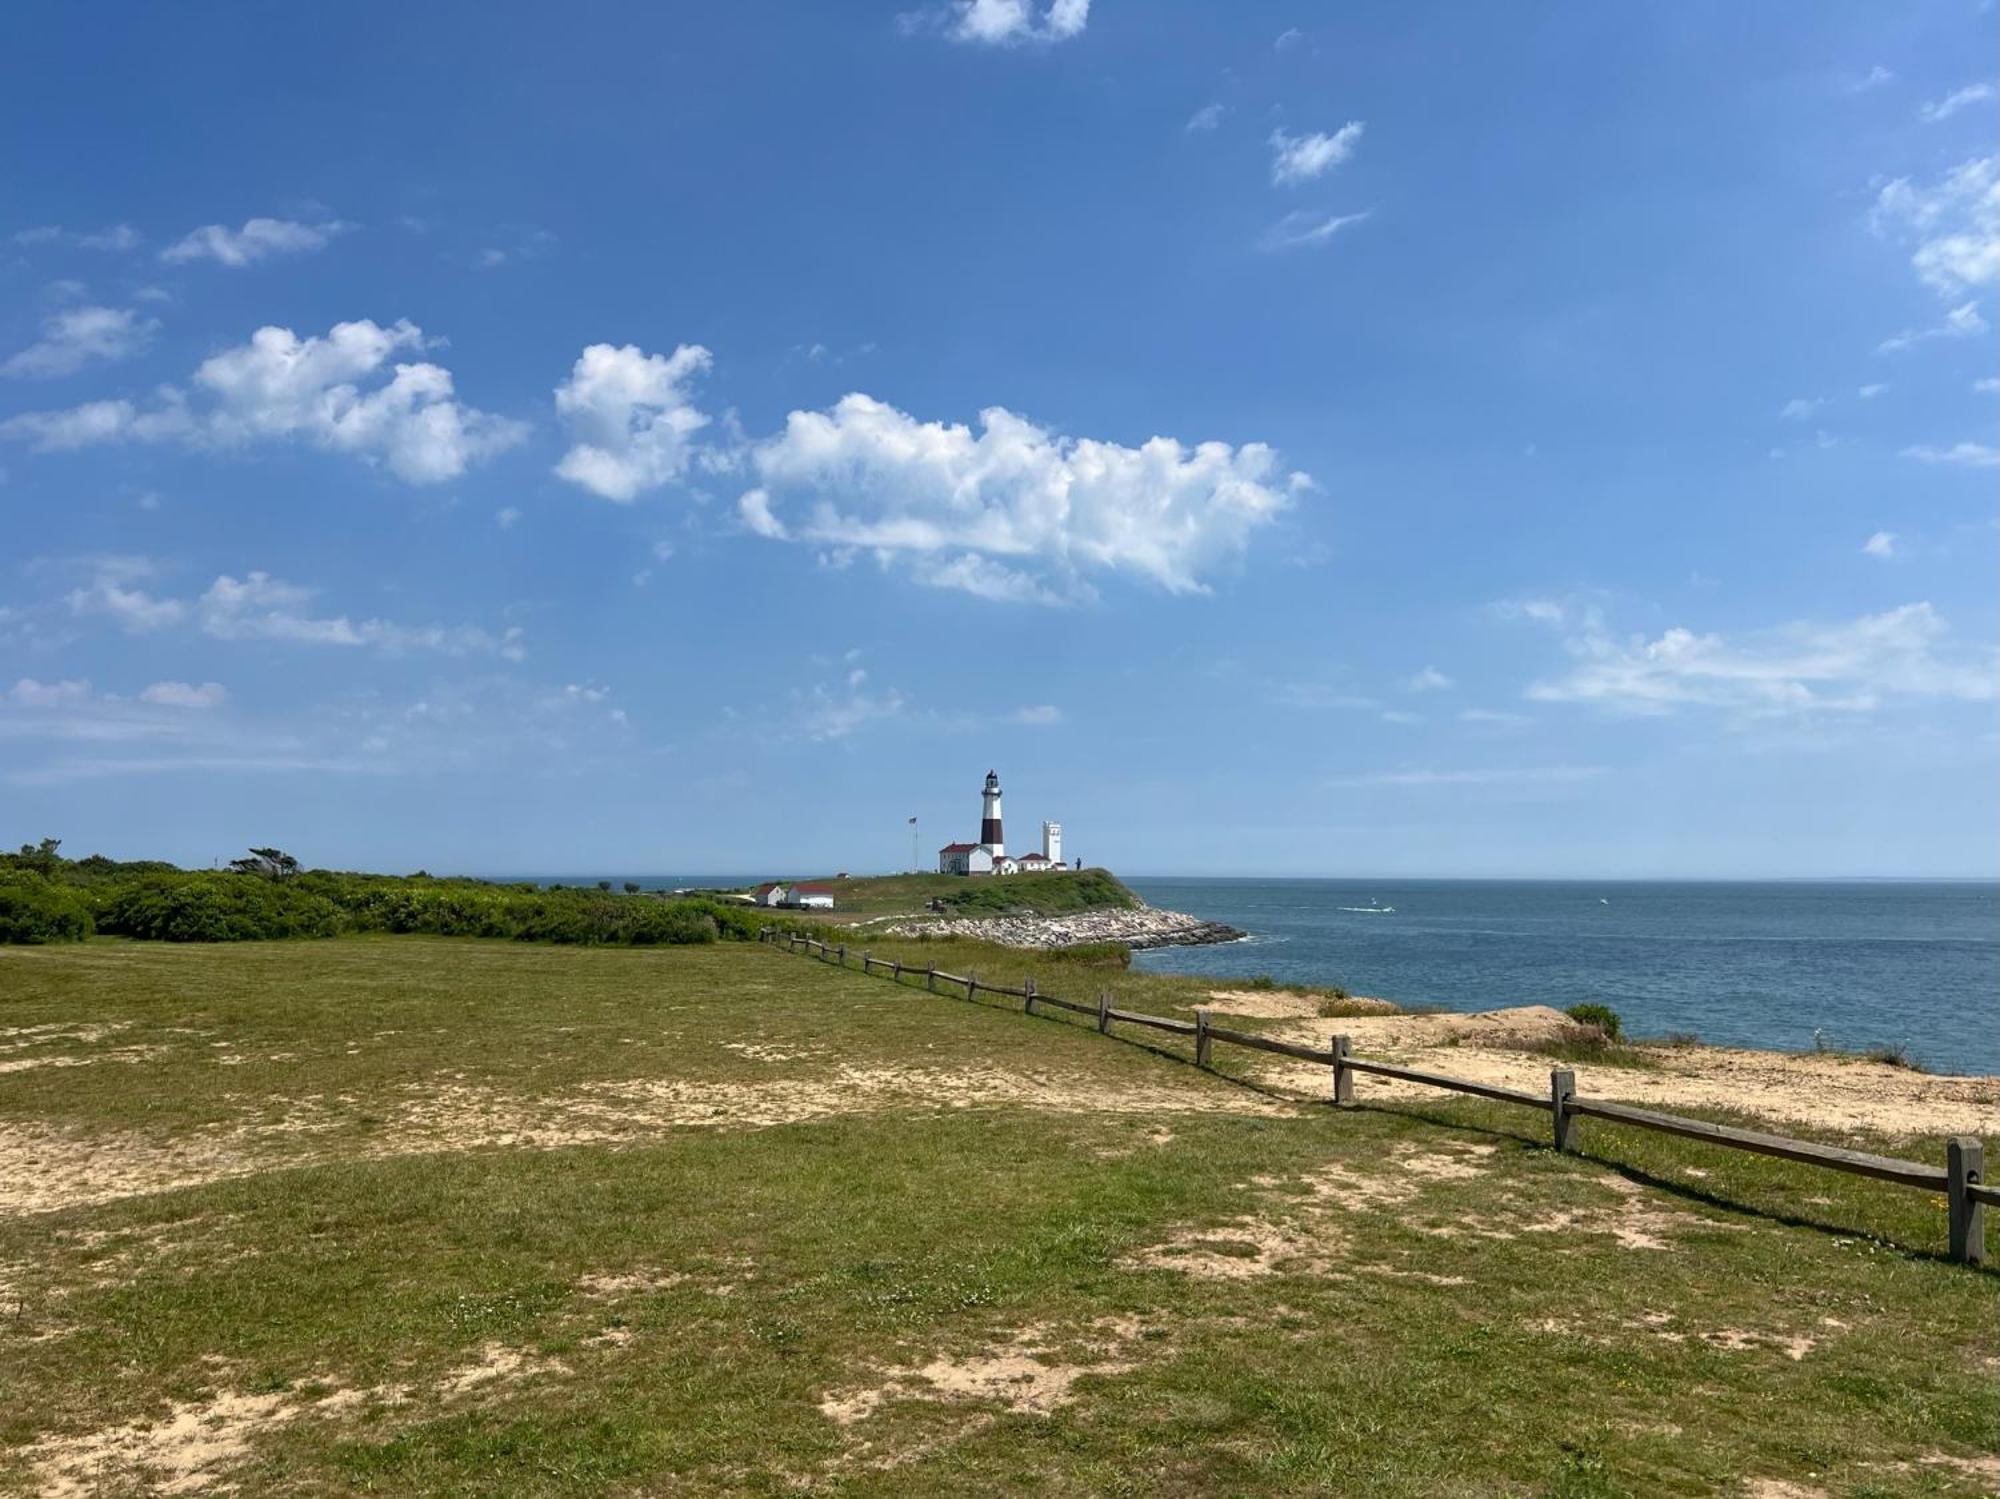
[[185, 695], [1954, 224], [261, 607], [279, 386], [1800, 407], [113, 593], [632, 418], [29, 693], [77, 336], [1012, 511], [1002, 23], [1304, 230], [258, 239], [1430, 679], [1851, 667], [1881, 544], [1958, 455], [1952, 103], [1870, 392], [1301, 158]]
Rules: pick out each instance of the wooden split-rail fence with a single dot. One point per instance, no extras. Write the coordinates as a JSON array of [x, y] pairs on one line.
[[1961, 1179]]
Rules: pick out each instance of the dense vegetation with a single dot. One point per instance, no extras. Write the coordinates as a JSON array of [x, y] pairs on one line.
[[47, 898], [1057, 893]]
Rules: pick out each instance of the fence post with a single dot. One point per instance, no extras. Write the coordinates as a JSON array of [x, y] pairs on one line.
[[867, 961], [843, 955], [1028, 995], [971, 983], [930, 976], [1103, 1012], [1343, 1079], [896, 974], [1964, 1159], [1202, 1044], [1562, 1088]]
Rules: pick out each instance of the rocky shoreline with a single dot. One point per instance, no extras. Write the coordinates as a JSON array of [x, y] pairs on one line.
[[1142, 927]]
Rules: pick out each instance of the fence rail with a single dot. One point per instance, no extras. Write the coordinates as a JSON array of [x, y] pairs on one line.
[[1961, 1178]]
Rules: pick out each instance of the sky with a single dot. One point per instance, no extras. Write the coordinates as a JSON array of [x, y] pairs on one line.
[[1366, 439]]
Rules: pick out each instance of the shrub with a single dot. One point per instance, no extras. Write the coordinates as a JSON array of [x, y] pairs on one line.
[[1098, 955], [217, 908], [32, 910], [1603, 1017]]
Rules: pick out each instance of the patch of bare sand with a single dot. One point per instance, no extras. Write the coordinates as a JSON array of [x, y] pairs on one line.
[[1780, 1488], [1244, 1248], [43, 1168], [193, 1447], [1284, 1004], [1824, 1092], [1030, 1372]]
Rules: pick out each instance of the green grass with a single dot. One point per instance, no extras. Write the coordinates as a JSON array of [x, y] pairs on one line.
[[684, 1293], [1052, 894]]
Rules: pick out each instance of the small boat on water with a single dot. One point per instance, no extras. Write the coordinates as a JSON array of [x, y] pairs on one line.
[[1373, 908]]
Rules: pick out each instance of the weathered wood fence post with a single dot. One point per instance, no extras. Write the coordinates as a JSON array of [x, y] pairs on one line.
[[843, 955], [1562, 1088], [1028, 995], [1965, 1162], [1203, 1045], [867, 961], [971, 983], [930, 976], [1103, 1012], [896, 974], [1343, 1076]]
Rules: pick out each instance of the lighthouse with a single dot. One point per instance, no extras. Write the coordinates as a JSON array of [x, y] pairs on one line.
[[989, 817]]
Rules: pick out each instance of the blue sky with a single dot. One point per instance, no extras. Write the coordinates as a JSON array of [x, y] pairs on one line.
[[1371, 439]]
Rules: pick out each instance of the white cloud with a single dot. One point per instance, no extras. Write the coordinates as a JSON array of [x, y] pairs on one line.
[[1037, 715], [632, 418], [1530, 775], [1951, 104], [28, 693], [256, 240], [75, 336], [1963, 321], [1302, 229], [507, 517], [1955, 223], [1495, 717], [1206, 118], [1990, 385], [134, 610], [1430, 679], [755, 508], [1800, 407], [1851, 667], [1874, 78], [1870, 392], [834, 712], [185, 695], [1960, 455], [1003, 23], [1287, 39], [1013, 511], [261, 607], [281, 386], [116, 237], [1300, 158], [1881, 544]]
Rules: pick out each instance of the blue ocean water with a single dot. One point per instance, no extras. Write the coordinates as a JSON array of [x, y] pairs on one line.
[[1859, 963]]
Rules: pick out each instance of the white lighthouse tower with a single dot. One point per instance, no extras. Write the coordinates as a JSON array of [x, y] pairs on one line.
[[990, 834]]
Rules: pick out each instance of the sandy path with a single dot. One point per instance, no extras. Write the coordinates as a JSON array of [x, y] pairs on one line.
[[1822, 1092]]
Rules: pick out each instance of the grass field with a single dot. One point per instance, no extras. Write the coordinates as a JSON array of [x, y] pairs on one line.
[[417, 1215], [1055, 893]]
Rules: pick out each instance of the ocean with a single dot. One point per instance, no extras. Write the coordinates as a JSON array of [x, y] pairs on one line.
[[1852, 963]]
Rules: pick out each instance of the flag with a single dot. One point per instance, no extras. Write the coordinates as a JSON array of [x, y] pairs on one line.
[[913, 822]]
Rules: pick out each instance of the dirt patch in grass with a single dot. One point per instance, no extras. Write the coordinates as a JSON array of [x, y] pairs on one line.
[[1030, 1372], [43, 1168], [1245, 1248]]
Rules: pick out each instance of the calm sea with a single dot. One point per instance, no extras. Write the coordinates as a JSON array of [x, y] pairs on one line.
[[1859, 963]]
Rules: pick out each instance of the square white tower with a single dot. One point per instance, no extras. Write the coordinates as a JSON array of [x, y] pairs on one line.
[[1052, 842]]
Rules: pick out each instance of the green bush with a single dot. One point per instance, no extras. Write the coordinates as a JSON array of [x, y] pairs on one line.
[[32, 910], [216, 908], [1603, 1017]]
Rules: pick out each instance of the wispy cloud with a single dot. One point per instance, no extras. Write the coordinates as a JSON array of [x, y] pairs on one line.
[[1001, 23], [1206, 118], [1954, 223], [1952, 103], [1963, 321], [1517, 775], [258, 239], [76, 336], [1857, 666], [1881, 544], [1301, 158], [1304, 230], [1430, 679], [1958, 455], [117, 237]]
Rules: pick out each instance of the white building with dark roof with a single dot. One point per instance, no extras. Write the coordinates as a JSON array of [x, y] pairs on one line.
[[989, 855]]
